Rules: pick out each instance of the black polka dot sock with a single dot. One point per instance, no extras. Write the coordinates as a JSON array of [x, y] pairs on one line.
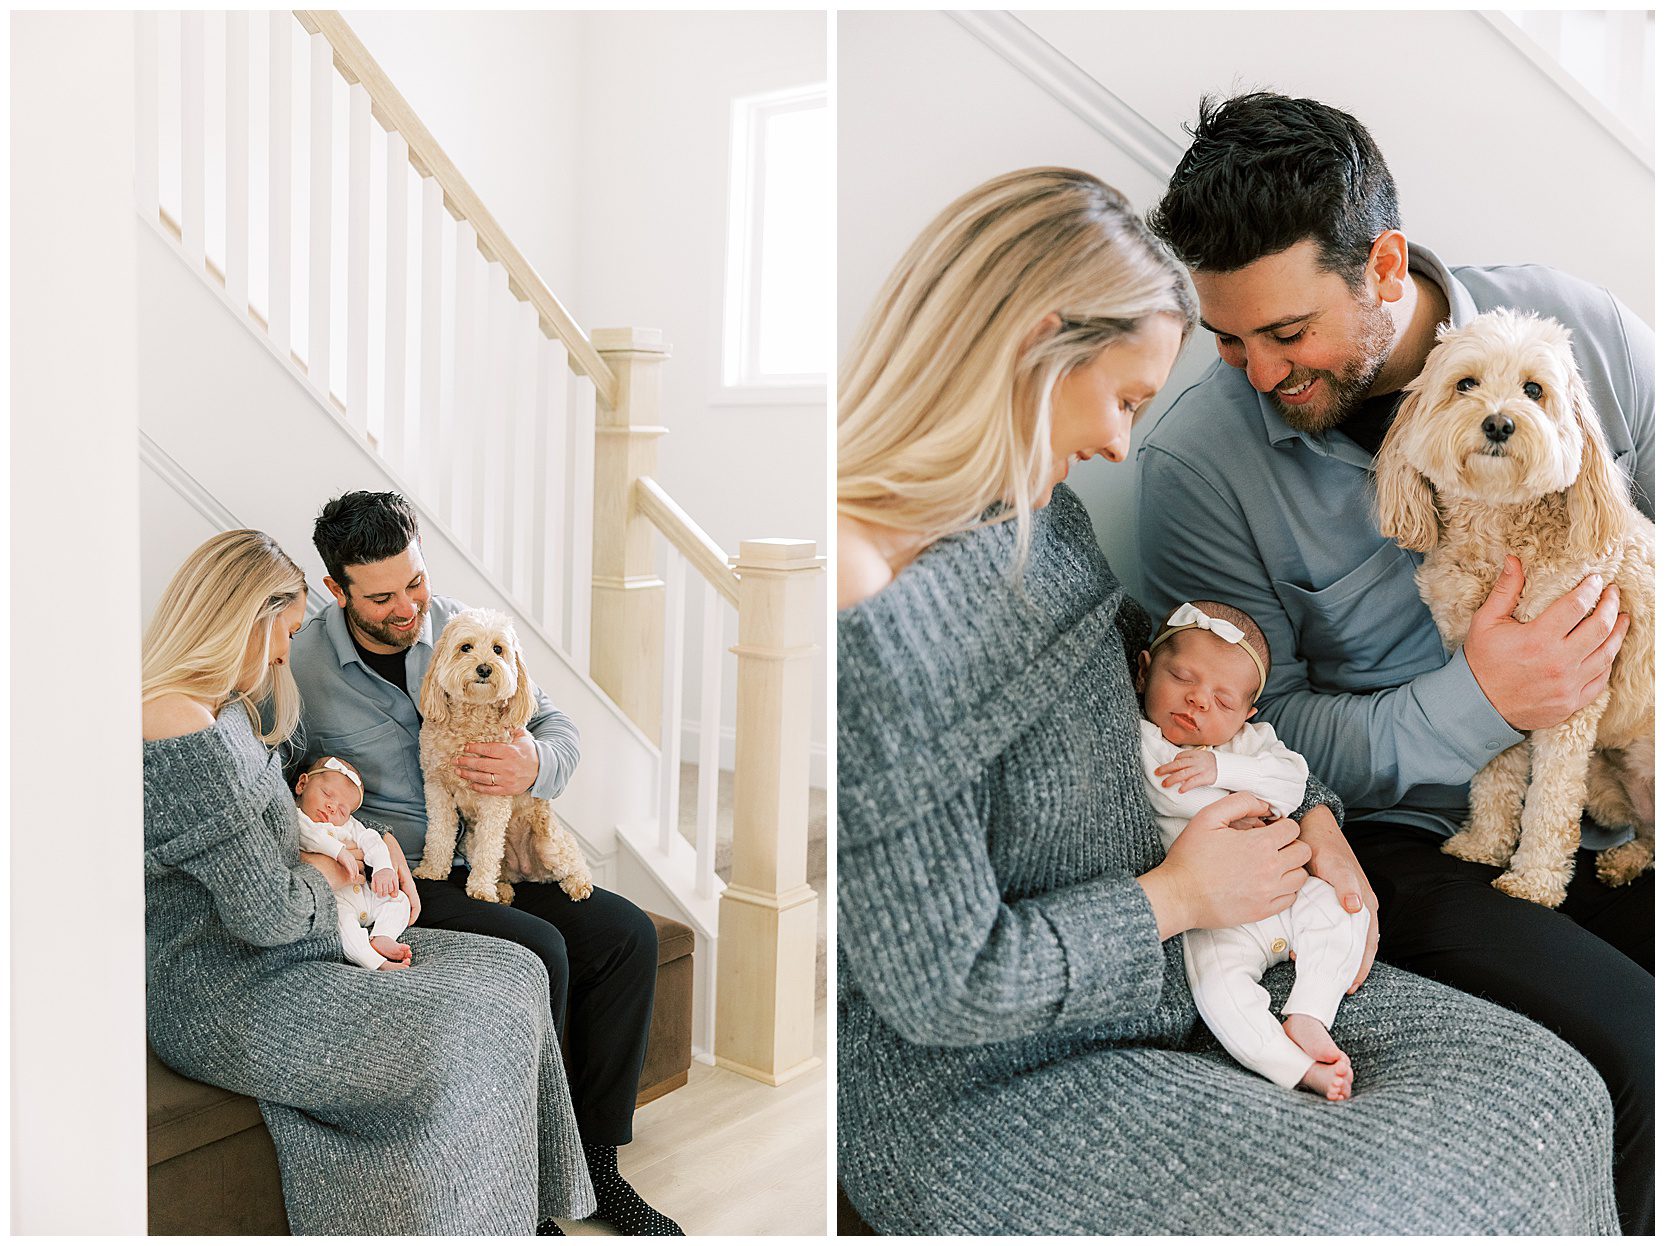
[[548, 1228], [617, 1203]]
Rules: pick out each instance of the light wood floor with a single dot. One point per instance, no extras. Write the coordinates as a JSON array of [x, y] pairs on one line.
[[729, 1155]]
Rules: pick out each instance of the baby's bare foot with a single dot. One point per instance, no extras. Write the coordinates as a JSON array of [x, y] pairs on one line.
[[394, 964], [1331, 1074], [394, 950]]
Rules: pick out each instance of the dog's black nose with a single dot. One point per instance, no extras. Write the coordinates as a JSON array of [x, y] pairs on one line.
[[483, 670], [1497, 427]]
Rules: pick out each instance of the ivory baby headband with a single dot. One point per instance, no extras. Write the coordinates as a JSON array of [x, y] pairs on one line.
[[1188, 617], [331, 763]]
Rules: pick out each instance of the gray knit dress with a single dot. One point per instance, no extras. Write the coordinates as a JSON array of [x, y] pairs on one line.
[[1019, 1053], [427, 1100]]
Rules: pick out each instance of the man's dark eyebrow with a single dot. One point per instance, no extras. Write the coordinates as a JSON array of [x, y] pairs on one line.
[[1265, 328]]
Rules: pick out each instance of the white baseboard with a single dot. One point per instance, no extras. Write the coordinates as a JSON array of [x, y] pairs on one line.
[[725, 752]]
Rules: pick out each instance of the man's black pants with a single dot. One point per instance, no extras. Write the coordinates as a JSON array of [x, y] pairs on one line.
[[602, 955], [1583, 971]]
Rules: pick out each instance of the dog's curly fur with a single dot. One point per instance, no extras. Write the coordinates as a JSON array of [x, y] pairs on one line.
[[477, 691], [1550, 494]]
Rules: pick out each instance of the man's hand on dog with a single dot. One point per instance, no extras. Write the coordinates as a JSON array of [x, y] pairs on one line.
[[1539, 674], [500, 769]]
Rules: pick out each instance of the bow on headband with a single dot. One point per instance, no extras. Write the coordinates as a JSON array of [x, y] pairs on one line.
[[1188, 617], [330, 763]]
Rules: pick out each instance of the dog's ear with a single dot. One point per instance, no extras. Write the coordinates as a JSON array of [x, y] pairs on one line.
[[524, 703], [434, 703], [1596, 503], [1405, 507]]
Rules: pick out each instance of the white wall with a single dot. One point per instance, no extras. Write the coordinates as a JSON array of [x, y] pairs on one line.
[[1495, 165], [77, 986], [600, 142]]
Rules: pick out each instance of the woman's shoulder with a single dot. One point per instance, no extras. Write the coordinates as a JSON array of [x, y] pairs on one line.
[[862, 568], [173, 715]]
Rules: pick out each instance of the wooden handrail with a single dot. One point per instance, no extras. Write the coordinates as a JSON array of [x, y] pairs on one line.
[[702, 553], [356, 64]]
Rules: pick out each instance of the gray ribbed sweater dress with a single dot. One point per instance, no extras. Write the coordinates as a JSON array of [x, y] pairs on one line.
[[1019, 1053], [428, 1100]]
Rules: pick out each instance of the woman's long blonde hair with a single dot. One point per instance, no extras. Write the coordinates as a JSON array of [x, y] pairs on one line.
[[944, 402], [231, 589]]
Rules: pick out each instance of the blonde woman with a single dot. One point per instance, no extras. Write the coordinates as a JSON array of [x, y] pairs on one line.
[[1018, 1050], [429, 1101]]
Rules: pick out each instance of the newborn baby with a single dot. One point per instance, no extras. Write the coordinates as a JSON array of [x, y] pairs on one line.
[[325, 798], [1200, 679]]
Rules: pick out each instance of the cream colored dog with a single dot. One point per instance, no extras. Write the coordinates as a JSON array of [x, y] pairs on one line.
[[1495, 451], [477, 691]]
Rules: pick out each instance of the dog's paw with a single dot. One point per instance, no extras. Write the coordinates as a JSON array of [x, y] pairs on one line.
[[433, 871], [1480, 847], [482, 891], [1624, 863], [505, 893], [577, 887], [1540, 886]]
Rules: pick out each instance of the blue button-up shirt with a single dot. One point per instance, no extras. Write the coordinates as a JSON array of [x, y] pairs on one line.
[[349, 710], [1236, 506]]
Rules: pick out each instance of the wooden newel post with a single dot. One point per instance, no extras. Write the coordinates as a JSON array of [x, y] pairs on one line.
[[766, 917], [627, 603]]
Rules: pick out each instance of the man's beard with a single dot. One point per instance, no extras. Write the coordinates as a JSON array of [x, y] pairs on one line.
[[1349, 387], [384, 633]]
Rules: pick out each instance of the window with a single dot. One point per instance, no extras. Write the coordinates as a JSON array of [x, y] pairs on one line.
[[777, 326]]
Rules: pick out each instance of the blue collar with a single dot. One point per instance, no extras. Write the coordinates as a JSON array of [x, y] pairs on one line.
[[341, 640]]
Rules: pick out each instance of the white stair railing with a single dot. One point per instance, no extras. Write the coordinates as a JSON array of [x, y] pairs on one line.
[[297, 180], [290, 173]]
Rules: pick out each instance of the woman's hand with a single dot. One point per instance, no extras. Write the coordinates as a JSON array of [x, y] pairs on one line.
[[407, 884], [335, 874], [1217, 876], [1334, 862]]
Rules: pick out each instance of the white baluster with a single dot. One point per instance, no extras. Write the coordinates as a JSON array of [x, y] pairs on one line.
[[460, 427], [358, 261], [280, 144], [1628, 37], [322, 165], [670, 722], [491, 421], [237, 160], [711, 716], [192, 112], [553, 491], [147, 119], [433, 449], [528, 343], [581, 518], [395, 430]]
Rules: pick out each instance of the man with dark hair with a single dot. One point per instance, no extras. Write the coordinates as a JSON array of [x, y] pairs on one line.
[[1255, 487], [359, 667]]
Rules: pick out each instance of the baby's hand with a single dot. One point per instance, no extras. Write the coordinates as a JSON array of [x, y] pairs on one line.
[[385, 883], [1193, 768]]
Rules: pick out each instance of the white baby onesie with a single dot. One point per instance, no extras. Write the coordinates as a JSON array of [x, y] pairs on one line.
[[1224, 966], [356, 905]]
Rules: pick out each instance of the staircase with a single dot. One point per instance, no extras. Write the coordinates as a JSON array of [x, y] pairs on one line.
[[385, 333]]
